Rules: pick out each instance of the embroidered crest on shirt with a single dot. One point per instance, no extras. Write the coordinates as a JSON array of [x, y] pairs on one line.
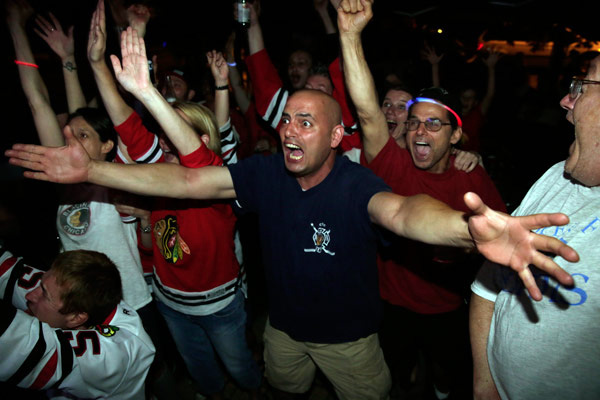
[[75, 219], [169, 242], [321, 240]]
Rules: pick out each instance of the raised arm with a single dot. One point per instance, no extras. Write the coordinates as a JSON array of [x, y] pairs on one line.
[[499, 237], [429, 54], [321, 9], [48, 128], [220, 73], [71, 164], [256, 41], [242, 97], [353, 16], [132, 73], [64, 47], [116, 107], [490, 62]]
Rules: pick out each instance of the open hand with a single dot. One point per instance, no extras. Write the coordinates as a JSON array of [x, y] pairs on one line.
[[52, 33], [510, 241], [428, 53], [65, 164], [96, 46], [132, 72]]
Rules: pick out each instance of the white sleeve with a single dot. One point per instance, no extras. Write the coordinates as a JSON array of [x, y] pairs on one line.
[[33, 357], [484, 284]]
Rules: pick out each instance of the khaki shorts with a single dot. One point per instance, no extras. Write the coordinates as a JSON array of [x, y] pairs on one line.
[[357, 369]]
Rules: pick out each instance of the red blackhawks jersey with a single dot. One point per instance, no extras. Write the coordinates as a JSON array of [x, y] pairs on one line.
[[195, 268], [107, 361]]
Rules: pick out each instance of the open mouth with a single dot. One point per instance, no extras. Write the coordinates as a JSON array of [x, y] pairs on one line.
[[295, 79], [295, 152], [391, 125], [422, 149]]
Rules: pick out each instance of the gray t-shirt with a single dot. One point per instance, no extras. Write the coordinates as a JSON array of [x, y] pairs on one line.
[[549, 349]]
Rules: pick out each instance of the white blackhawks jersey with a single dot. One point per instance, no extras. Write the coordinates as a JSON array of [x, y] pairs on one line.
[[108, 361]]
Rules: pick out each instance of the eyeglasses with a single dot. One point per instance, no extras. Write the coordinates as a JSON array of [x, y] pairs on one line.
[[576, 87], [431, 124]]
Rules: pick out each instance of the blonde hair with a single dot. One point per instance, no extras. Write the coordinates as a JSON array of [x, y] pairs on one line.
[[204, 122]]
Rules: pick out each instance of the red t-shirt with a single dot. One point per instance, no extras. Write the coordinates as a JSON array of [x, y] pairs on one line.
[[414, 275]]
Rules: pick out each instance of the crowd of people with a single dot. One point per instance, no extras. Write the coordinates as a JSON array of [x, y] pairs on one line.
[[396, 260]]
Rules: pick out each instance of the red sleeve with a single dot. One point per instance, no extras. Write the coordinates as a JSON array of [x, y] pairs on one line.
[[351, 139], [340, 94], [201, 157], [142, 145], [269, 95]]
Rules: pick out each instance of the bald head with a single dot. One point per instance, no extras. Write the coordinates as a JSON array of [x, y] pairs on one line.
[[326, 102], [310, 132]]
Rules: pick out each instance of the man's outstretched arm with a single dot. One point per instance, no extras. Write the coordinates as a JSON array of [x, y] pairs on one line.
[[71, 164], [499, 237]]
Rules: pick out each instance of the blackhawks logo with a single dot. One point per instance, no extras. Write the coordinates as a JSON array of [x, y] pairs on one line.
[[106, 330], [168, 240]]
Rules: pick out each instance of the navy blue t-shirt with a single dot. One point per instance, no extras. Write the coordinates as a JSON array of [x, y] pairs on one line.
[[319, 247]]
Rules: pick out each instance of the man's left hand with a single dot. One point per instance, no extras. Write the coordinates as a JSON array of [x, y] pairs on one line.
[[510, 241]]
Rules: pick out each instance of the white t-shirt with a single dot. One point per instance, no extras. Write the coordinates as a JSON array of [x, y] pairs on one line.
[[549, 349], [89, 221]]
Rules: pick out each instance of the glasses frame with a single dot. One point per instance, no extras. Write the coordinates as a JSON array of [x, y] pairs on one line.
[[576, 86], [428, 120]]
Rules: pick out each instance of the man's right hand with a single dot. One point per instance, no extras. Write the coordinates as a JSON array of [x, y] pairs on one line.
[[354, 15], [66, 164]]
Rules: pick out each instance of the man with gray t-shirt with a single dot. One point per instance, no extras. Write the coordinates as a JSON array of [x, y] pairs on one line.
[[549, 349]]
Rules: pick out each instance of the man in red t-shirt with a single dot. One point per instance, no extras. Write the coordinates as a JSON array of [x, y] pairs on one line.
[[424, 287]]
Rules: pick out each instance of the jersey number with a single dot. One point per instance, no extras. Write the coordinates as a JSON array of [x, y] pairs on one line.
[[83, 338], [28, 283]]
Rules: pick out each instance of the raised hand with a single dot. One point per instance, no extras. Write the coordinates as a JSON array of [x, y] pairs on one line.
[[428, 53], [353, 15], [52, 33], [132, 72], [510, 241], [17, 12], [254, 12], [218, 67], [138, 16], [66, 164], [492, 58], [96, 46]]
